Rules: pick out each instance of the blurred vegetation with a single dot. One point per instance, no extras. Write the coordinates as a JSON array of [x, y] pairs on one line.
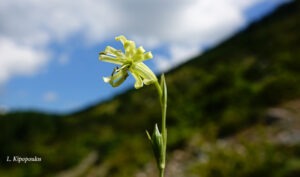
[[218, 94]]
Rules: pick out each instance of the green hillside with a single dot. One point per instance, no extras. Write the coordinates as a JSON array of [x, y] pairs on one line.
[[219, 118]]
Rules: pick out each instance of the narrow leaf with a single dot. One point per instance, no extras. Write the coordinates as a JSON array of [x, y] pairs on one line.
[[163, 86]]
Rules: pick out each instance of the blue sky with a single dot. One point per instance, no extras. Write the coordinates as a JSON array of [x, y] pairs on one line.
[[49, 49]]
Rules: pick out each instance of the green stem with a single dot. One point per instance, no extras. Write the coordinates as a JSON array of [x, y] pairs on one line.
[[161, 173], [158, 89], [163, 104]]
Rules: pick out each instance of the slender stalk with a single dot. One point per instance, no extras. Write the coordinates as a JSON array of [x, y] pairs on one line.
[[162, 172], [163, 104], [158, 89], [164, 130]]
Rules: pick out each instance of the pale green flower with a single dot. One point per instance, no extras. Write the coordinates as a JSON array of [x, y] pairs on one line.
[[131, 60]]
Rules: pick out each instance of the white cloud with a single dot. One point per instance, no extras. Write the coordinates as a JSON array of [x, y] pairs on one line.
[[50, 96], [16, 59], [29, 26], [162, 63], [178, 55]]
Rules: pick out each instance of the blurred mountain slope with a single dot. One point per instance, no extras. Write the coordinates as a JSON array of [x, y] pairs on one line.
[[224, 94]]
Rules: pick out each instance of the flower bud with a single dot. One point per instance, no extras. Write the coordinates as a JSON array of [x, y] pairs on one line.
[[157, 146]]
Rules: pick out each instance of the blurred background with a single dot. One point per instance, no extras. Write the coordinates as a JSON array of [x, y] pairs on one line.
[[232, 69]]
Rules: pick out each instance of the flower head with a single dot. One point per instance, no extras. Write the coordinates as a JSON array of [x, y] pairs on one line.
[[131, 60]]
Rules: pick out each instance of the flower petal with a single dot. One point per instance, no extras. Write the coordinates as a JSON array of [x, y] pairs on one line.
[[115, 52], [148, 81], [138, 80], [117, 77], [110, 59], [140, 50], [139, 54], [129, 48], [121, 38], [148, 55], [106, 79], [143, 70], [139, 57]]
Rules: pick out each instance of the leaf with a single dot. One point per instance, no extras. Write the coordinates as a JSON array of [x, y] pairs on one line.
[[163, 86]]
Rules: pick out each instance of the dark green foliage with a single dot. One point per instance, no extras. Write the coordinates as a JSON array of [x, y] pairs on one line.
[[247, 159], [218, 94]]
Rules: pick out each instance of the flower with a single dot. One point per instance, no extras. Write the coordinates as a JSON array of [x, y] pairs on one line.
[[131, 60]]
